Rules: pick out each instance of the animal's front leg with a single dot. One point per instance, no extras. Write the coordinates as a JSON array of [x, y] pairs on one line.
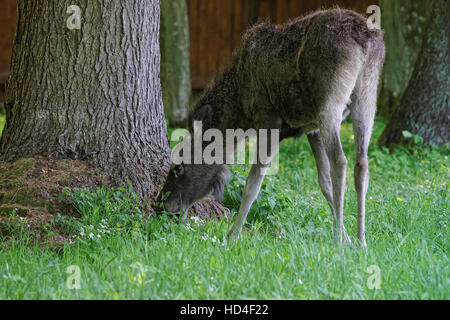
[[251, 190], [255, 179]]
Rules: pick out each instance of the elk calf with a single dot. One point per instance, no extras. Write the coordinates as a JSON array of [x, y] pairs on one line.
[[304, 76]]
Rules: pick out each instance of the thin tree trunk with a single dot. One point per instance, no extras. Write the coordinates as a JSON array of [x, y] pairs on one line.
[[404, 23], [175, 72], [92, 93], [424, 109]]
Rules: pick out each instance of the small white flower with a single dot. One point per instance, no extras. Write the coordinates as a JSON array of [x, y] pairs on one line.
[[91, 235], [197, 220]]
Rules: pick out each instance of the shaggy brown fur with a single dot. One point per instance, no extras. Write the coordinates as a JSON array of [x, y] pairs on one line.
[[304, 76], [284, 70]]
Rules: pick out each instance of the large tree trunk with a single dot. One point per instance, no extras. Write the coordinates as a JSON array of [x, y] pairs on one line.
[[92, 94], [404, 23], [175, 68], [424, 109]]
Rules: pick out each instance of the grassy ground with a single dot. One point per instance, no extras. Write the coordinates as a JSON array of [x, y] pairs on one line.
[[286, 252]]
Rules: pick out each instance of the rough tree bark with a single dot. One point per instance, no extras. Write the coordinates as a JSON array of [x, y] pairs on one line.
[[424, 108], [175, 68], [403, 23], [93, 93]]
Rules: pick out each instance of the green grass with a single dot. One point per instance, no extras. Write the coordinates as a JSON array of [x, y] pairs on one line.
[[286, 251]]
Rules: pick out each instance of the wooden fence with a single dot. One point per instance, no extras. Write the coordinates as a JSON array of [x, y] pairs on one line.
[[216, 27]]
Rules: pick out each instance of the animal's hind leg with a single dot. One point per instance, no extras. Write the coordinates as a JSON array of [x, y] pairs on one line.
[[361, 173], [329, 130], [363, 113], [323, 171], [337, 95]]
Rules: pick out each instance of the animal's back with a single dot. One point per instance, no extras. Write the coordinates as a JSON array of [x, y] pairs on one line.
[[290, 68]]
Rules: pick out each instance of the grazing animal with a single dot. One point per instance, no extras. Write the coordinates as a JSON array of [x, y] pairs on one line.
[[303, 77]]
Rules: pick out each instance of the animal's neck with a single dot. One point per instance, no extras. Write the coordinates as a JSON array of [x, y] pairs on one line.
[[224, 98]]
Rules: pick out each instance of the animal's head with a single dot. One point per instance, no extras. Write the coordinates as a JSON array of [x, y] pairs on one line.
[[188, 183]]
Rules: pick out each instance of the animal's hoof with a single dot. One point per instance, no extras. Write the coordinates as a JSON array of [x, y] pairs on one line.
[[362, 244], [347, 240], [233, 236]]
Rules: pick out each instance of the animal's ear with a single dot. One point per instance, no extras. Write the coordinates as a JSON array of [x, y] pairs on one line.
[[219, 184], [203, 113], [178, 171]]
